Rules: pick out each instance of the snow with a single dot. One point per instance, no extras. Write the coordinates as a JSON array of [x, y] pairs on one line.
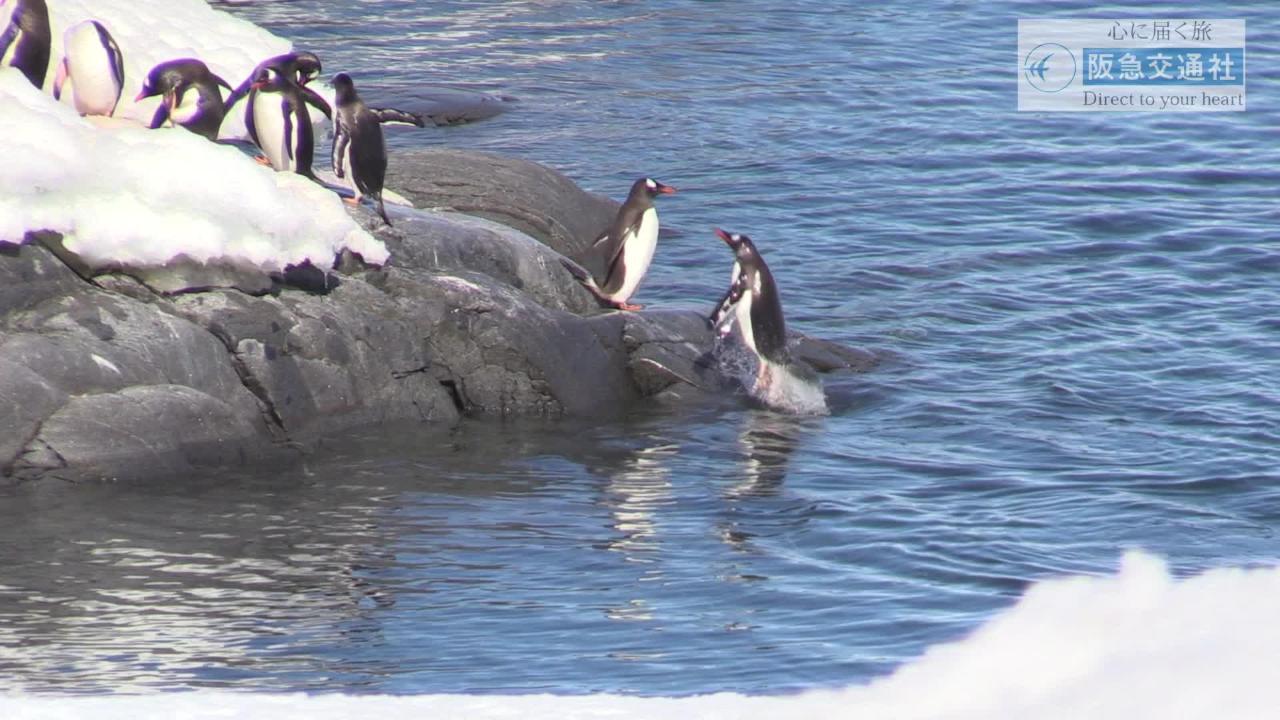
[[122, 194], [1137, 644], [150, 32]]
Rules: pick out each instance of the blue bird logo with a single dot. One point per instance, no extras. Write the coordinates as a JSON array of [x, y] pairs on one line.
[[1041, 67], [1046, 77]]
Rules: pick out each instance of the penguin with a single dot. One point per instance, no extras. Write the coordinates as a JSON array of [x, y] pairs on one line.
[[358, 145], [613, 266], [279, 123], [92, 69], [26, 39], [191, 96], [752, 300], [302, 67]]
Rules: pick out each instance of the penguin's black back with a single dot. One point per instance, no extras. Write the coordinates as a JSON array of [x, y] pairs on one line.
[[31, 56], [768, 326]]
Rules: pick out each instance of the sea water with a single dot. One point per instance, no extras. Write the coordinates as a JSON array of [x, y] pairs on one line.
[[1076, 316]]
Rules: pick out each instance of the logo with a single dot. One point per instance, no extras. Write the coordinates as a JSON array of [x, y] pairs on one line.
[[1049, 67]]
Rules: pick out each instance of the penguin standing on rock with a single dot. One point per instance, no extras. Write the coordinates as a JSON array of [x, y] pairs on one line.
[[91, 73], [26, 38], [278, 120], [191, 97], [358, 145], [614, 265]]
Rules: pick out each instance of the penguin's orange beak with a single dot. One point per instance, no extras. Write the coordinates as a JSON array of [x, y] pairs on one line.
[[666, 190], [724, 236]]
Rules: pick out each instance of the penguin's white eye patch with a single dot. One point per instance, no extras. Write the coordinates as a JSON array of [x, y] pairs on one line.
[[651, 184]]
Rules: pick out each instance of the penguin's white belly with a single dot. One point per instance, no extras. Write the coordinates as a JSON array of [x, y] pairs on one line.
[[743, 315], [93, 84], [268, 123], [349, 172], [638, 254], [187, 109]]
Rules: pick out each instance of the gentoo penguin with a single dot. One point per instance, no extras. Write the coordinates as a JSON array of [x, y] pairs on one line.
[[91, 73], [614, 265], [358, 146], [753, 302], [191, 97], [279, 123], [26, 38], [302, 67]]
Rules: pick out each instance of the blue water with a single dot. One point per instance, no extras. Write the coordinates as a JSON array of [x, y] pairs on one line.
[[1078, 315]]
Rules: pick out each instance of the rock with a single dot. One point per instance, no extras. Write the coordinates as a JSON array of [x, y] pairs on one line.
[[529, 197], [446, 106], [139, 433], [133, 375]]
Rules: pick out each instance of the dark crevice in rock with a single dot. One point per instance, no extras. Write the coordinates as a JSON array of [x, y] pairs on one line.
[[454, 394], [274, 422]]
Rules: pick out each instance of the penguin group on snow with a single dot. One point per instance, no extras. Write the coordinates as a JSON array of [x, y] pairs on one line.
[[279, 101]]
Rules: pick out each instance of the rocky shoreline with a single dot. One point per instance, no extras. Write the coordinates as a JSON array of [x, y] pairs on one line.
[[129, 376]]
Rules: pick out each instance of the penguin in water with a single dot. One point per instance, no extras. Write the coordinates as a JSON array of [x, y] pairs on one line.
[[91, 73], [358, 145], [26, 39], [191, 97], [302, 67], [752, 300], [614, 265], [278, 120]]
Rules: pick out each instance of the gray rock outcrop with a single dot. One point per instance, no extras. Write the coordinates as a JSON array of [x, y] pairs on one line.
[[103, 376]]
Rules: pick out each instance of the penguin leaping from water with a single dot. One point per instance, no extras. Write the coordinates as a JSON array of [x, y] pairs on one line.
[[190, 96], [752, 301], [91, 73], [358, 145], [614, 265], [25, 38]]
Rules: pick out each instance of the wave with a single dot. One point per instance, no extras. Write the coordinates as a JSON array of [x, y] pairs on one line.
[[1137, 644]]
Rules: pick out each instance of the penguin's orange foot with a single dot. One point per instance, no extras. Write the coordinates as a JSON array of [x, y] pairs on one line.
[[629, 307], [262, 160], [351, 200]]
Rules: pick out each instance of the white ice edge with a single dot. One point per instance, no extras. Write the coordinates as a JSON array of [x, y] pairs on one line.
[[1136, 644]]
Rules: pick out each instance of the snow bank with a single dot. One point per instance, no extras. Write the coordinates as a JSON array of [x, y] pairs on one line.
[[143, 197], [1138, 644]]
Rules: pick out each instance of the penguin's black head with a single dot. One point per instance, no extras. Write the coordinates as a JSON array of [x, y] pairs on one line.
[[307, 66], [651, 187], [267, 77], [743, 249], [344, 88], [169, 74]]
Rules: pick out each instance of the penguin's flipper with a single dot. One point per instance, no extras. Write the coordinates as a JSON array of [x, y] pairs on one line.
[[319, 103], [398, 117], [218, 79], [236, 95], [341, 138], [726, 304], [60, 79], [9, 35], [117, 64], [162, 114], [287, 109]]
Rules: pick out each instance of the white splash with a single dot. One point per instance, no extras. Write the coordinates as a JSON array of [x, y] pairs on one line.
[[1138, 644], [776, 386]]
